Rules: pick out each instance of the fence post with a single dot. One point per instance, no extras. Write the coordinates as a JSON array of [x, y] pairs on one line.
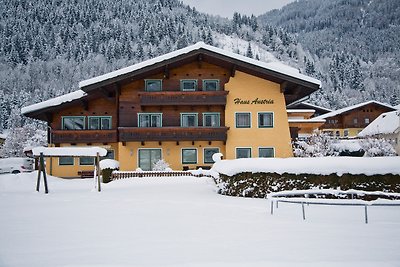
[[304, 213], [272, 207], [366, 214]]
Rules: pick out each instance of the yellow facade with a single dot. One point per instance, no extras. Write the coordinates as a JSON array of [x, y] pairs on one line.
[[54, 168], [256, 95]]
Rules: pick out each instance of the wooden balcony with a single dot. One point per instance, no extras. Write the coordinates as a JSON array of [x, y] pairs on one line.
[[173, 134], [183, 98], [84, 136]]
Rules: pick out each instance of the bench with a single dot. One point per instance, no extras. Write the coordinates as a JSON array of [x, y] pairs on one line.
[[86, 174]]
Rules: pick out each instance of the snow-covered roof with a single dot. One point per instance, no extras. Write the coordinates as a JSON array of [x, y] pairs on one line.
[[70, 151], [346, 109], [351, 145], [273, 66], [310, 105], [386, 123], [319, 166], [54, 101], [300, 110], [397, 107], [3, 136]]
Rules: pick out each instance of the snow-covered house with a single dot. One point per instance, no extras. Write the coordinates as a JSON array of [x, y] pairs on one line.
[[387, 126], [302, 124], [183, 107], [349, 121]]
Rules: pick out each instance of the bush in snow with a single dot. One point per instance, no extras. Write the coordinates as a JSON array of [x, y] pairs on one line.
[[160, 165], [107, 166], [317, 145], [377, 147]]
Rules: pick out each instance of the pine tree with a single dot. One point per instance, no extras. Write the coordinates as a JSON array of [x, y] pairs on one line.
[[249, 52]]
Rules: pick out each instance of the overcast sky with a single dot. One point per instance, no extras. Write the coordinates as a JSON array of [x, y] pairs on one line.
[[226, 8]]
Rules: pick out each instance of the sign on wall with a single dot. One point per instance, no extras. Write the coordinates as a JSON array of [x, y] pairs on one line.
[[256, 101]]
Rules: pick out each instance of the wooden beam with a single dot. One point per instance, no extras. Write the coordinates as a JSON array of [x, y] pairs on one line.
[[233, 70], [166, 72], [284, 86], [85, 104], [199, 60]]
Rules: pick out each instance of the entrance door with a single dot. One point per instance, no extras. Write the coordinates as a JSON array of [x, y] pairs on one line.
[[147, 157]]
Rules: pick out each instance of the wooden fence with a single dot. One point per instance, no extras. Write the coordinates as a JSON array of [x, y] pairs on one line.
[[117, 175]]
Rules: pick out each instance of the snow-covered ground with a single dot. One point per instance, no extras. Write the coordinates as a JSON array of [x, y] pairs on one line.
[[182, 222]]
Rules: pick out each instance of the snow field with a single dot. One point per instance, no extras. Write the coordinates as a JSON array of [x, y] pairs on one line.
[[181, 222]]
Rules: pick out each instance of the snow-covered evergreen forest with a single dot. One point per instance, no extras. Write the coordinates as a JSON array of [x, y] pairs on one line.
[[48, 46]]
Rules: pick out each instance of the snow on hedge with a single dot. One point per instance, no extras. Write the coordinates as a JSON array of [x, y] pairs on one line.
[[320, 165], [109, 164]]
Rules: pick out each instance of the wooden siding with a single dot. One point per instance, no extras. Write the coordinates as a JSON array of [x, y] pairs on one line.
[[173, 134]]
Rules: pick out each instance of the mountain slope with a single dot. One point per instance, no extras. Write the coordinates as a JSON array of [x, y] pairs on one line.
[[355, 43]]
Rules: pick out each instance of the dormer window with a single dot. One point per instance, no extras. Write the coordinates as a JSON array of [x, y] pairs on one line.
[[153, 85], [188, 85], [210, 85]]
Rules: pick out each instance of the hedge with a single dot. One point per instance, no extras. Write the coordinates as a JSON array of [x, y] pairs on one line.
[[258, 185]]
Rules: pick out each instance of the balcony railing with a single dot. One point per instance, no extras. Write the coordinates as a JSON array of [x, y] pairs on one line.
[[84, 136], [183, 98], [173, 134]]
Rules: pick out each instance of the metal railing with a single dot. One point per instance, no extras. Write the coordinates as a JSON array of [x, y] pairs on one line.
[[281, 197]]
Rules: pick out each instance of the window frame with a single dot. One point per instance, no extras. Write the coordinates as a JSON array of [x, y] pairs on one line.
[[206, 81], [183, 81], [150, 118], [64, 164], [204, 154], [148, 148], [189, 148], [66, 117], [188, 114], [236, 119], [84, 164], [100, 122], [109, 151], [211, 113], [266, 147], [236, 152], [146, 86], [258, 119]]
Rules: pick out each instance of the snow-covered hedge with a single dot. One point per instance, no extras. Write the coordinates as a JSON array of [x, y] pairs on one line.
[[260, 176], [258, 185]]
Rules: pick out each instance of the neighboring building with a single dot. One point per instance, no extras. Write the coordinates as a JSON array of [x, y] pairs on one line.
[[302, 124], [387, 126], [318, 110], [183, 107], [350, 121]]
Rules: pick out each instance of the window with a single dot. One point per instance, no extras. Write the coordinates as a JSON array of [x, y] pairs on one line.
[[210, 85], [189, 120], [265, 120], [99, 123], [153, 85], [65, 161], [346, 132], [73, 123], [109, 155], [147, 158], [208, 153], [266, 152], [150, 119], [243, 153], [189, 156], [211, 119], [366, 120], [243, 120], [188, 85], [355, 120], [86, 161]]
